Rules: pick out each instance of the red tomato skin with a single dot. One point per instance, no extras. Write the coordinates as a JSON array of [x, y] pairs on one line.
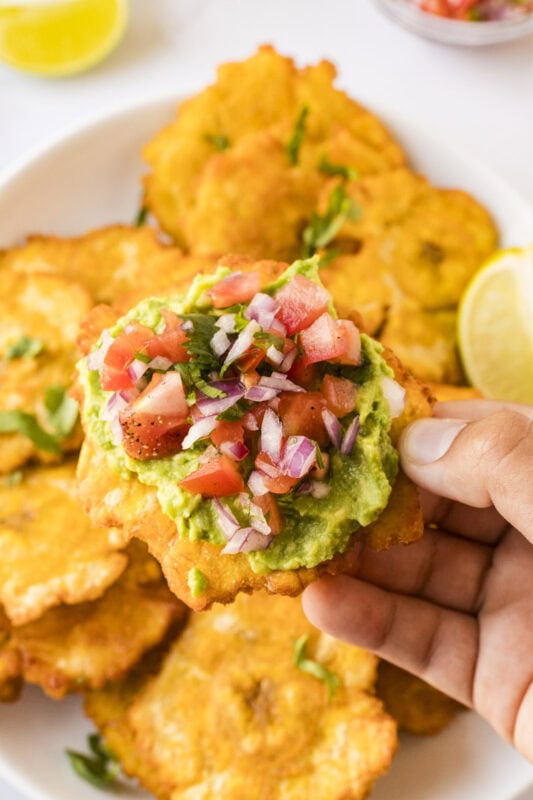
[[236, 288], [303, 374], [269, 506], [228, 431], [324, 340], [219, 477], [301, 302], [301, 415], [251, 359], [146, 437], [352, 339], [112, 380], [340, 395], [126, 344]]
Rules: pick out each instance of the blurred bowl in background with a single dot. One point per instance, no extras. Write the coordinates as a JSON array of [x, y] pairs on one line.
[[454, 31]]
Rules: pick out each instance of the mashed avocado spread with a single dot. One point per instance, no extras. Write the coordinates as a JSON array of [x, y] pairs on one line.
[[315, 528]]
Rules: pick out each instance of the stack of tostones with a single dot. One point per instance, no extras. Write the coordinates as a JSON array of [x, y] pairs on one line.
[[270, 162], [251, 702], [274, 161]]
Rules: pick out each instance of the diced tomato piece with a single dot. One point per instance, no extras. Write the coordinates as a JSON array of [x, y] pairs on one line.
[[303, 374], [228, 431], [301, 301], [250, 378], [236, 288], [340, 395], [219, 477], [328, 339], [352, 339], [251, 359], [269, 506], [126, 345], [155, 424], [275, 481], [171, 343], [301, 415], [164, 397], [147, 437], [114, 375], [438, 7]]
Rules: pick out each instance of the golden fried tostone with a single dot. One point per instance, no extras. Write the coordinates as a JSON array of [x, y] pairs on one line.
[[46, 310], [51, 552], [415, 705], [200, 164], [109, 262], [230, 716], [85, 645], [113, 501], [11, 680]]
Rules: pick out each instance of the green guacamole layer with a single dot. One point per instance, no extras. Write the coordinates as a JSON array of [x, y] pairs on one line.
[[314, 530]]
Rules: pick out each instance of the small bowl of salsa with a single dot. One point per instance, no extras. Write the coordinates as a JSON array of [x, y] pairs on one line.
[[463, 22]]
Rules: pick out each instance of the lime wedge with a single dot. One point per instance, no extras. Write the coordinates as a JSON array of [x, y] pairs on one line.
[[60, 38], [495, 327]]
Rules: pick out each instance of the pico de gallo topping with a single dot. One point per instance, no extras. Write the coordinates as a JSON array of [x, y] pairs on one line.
[[255, 388], [477, 10]]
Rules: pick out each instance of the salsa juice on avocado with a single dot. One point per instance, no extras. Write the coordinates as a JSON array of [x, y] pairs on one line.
[[259, 416]]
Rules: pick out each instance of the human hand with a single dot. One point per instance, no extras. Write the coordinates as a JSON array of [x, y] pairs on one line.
[[455, 608]]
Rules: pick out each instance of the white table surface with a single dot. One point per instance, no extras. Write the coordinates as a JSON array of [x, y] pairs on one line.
[[481, 99]]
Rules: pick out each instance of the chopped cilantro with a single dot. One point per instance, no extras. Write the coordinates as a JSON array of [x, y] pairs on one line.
[[313, 668], [295, 142], [24, 347], [62, 411], [142, 357], [17, 421], [264, 340], [142, 216], [341, 170], [323, 228], [101, 769], [198, 343], [234, 413], [219, 141], [319, 459]]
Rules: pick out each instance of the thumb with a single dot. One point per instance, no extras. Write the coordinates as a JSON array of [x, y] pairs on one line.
[[484, 462]]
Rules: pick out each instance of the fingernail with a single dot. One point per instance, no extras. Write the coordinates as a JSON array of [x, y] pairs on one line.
[[429, 439]]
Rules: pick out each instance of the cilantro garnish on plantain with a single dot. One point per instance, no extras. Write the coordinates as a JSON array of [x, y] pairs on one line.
[[99, 768], [313, 668], [295, 142], [340, 170], [61, 417], [323, 228], [24, 347]]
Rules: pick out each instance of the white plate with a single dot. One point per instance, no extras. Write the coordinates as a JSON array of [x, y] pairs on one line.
[[90, 177]]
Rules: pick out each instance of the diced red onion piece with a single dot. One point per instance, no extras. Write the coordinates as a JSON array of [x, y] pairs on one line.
[[280, 381], [348, 440], [288, 360], [187, 325], [160, 362], [128, 394], [95, 360], [233, 390], [276, 326], [274, 355], [258, 520], [394, 394], [249, 422], [256, 483], [246, 540], [113, 407], [243, 342], [226, 323], [304, 488], [271, 435], [259, 394], [263, 310], [199, 430], [333, 427], [299, 456], [320, 489], [220, 342], [136, 370], [234, 450], [227, 522]]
